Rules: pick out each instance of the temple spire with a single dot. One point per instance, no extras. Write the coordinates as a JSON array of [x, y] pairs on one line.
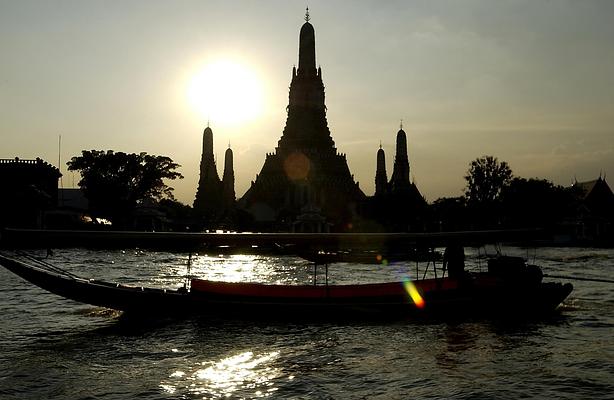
[[228, 179], [307, 17], [400, 173], [306, 87], [307, 48], [208, 199], [381, 178]]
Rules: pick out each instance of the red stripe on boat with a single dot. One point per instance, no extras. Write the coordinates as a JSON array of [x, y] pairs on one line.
[[394, 289]]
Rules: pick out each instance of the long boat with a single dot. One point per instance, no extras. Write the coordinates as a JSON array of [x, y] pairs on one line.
[[510, 288]]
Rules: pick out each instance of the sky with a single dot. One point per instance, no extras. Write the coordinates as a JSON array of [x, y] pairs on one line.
[[530, 82]]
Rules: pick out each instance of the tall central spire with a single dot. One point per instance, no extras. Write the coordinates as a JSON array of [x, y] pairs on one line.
[[307, 48], [306, 126]]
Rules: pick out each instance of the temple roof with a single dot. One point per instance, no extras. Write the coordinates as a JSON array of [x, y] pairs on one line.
[[589, 187]]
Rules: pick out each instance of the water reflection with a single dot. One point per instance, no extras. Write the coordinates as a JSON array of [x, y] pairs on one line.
[[251, 268], [243, 374], [229, 268]]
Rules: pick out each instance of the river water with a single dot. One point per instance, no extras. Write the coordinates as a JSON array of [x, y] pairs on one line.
[[52, 348]]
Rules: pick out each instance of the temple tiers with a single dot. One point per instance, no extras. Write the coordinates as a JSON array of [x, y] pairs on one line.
[[305, 174]]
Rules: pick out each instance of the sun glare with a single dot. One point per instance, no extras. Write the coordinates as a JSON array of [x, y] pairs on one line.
[[226, 92]]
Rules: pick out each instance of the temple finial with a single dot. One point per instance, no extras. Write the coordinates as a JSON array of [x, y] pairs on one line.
[[401, 123], [307, 17], [229, 144], [380, 144]]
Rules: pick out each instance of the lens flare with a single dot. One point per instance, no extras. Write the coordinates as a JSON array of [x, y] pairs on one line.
[[297, 166], [411, 289]]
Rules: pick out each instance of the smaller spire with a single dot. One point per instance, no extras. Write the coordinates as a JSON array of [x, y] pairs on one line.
[[307, 17]]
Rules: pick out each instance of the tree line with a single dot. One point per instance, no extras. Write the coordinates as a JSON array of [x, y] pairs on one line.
[[495, 198]]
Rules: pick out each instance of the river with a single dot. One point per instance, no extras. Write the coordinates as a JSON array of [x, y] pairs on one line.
[[52, 348]]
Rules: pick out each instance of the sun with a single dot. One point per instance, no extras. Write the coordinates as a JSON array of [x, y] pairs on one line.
[[226, 92]]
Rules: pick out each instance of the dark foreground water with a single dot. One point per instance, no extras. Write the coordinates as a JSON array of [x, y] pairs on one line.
[[51, 348]]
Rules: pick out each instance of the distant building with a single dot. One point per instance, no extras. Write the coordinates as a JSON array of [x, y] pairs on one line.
[[597, 197], [594, 217], [29, 189], [215, 198], [305, 184]]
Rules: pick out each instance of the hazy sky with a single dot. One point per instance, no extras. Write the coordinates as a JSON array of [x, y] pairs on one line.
[[530, 82]]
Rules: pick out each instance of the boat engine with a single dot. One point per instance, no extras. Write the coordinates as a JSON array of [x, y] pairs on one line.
[[515, 270]]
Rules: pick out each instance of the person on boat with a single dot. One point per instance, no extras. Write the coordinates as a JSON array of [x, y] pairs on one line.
[[454, 261]]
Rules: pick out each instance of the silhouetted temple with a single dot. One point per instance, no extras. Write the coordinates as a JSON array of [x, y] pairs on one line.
[[596, 196], [305, 185], [215, 198], [397, 204], [594, 214]]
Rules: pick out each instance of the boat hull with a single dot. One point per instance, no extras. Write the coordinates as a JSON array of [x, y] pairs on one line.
[[98, 293], [482, 296]]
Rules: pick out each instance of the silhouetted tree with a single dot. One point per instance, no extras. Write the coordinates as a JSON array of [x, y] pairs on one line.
[[116, 182], [486, 179]]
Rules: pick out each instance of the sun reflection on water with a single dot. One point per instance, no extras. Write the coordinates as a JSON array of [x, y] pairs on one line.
[[244, 373], [250, 268], [227, 268]]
